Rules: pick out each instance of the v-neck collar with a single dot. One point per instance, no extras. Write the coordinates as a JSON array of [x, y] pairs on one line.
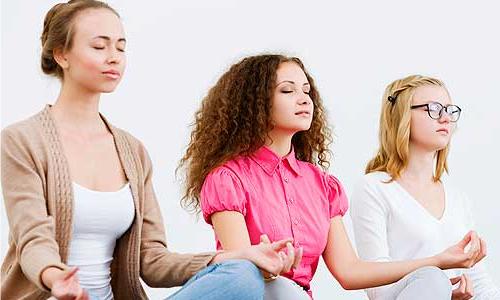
[[421, 207]]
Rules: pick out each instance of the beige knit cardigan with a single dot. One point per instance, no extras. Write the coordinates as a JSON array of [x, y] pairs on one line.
[[38, 197]]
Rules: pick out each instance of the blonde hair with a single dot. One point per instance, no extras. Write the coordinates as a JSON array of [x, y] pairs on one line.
[[394, 130]]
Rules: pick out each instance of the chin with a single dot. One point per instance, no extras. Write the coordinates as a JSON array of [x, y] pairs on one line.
[[299, 128], [438, 146], [107, 89]]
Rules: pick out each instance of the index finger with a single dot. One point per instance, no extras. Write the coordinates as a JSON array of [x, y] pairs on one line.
[[474, 242], [298, 257], [280, 244], [70, 273]]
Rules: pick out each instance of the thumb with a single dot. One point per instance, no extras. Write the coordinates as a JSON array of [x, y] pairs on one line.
[[455, 280], [466, 240], [264, 239]]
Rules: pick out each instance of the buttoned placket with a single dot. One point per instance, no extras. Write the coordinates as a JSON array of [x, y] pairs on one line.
[[286, 177]]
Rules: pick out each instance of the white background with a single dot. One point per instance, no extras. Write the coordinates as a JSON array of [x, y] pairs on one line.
[[177, 49]]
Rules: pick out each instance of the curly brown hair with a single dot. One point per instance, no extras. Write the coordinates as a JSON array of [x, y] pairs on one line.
[[235, 119]]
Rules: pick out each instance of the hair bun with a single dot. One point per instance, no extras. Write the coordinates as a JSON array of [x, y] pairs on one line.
[[48, 19]]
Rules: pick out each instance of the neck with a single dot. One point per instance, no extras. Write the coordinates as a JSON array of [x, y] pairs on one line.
[[280, 142], [420, 168], [77, 109]]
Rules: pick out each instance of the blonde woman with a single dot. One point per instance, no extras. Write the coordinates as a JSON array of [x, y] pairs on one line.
[[403, 209]]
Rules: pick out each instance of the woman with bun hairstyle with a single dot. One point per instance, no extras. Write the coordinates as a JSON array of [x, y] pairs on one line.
[[83, 217], [253, 168], [404, 208]]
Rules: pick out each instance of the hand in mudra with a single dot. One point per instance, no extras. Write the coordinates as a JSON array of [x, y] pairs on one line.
[[457, 256], [68, 287]]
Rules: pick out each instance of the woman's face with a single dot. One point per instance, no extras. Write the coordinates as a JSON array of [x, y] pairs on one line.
[[425, 132], [96, 60], [292, 108]]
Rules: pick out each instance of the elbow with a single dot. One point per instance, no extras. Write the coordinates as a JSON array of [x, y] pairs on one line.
[[347, 279], [155, 282], [149, 280], [347, 284]]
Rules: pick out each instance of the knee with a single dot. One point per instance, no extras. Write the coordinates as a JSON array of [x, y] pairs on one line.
[[434, 278], [247, 277]]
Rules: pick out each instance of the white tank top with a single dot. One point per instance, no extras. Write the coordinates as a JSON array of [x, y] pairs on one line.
[[99, 218]]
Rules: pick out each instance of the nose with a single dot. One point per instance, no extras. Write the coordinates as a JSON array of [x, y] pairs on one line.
[[114, 56], [304, 99], [445, 117]]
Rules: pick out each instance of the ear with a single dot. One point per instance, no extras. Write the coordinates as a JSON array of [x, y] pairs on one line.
[[60, 58]]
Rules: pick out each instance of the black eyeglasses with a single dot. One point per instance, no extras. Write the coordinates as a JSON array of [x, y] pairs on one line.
[[435, 110]]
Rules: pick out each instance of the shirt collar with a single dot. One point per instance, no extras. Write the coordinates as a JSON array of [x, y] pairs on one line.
[[268, 160]]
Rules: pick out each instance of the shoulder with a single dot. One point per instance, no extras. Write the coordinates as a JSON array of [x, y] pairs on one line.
[[372, 189], [125, 139], [24, 133], [231, 170], [373, 180], [131, 150], [455, 196], [238, 166], [313, 171], [24, 127]]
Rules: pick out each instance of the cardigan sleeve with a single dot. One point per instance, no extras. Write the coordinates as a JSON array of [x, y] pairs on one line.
[[31, 228], [159, 266]]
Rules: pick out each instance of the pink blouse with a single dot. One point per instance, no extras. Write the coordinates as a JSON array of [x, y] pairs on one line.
[[280, 197]]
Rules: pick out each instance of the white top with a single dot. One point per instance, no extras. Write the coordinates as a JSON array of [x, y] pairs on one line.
[[390, 225], [99, 218]]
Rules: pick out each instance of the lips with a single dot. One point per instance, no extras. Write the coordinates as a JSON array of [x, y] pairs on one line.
[[443, 130], [303, 113], [113, 74]]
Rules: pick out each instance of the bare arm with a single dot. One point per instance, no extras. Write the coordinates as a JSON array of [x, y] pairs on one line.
[[353, 273], [232, 232]]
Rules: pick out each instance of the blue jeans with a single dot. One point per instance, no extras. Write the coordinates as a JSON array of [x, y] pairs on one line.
[[232, 279]]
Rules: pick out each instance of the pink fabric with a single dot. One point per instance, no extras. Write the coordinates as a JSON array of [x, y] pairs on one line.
[[280, 197]]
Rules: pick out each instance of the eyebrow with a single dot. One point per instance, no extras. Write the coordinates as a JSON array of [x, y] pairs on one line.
[[292, 82], [109, 39]]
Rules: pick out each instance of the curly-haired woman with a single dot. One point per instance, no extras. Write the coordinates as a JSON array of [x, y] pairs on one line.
[[251, 169]]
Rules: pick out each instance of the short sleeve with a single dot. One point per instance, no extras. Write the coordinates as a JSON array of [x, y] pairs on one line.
[[222, 191], [337, 198]]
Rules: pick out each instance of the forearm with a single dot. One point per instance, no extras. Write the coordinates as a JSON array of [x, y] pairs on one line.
[[221, 256], [363, 274], [162, 268]]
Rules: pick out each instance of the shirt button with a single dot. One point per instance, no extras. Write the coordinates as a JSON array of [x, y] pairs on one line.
[[295, 221], [286, 179], [291, 200]]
